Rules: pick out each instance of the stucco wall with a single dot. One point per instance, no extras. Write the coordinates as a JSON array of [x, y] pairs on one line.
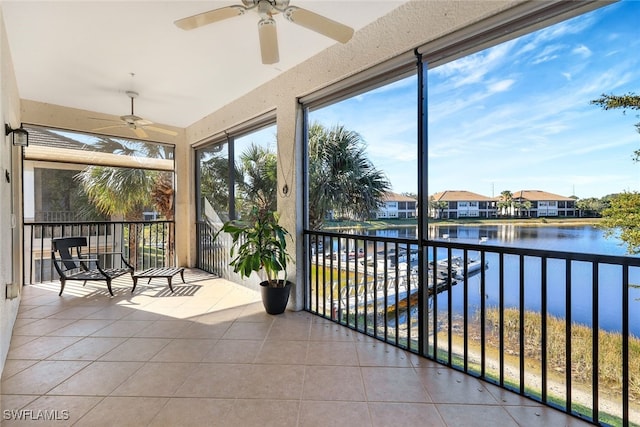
[[10, 198]]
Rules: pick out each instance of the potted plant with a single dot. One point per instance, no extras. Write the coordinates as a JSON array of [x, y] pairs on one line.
[[259, 243]]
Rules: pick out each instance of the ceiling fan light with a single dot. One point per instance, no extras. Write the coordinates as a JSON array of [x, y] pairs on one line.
[[268, 41]]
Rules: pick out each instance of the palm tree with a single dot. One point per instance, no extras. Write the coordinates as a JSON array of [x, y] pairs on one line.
[[117, 191], [125, 192], [256, 180], [214, 181], [506, 202], [438, 206], [342, 180]]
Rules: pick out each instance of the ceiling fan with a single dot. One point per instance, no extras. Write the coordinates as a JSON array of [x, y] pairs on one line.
[[137, 124], [267, 34]]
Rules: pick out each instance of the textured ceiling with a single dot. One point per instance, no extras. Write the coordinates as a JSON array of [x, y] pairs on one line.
[[81, 54]]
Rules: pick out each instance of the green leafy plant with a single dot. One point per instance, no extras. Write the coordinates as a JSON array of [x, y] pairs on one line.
[[259, 242]]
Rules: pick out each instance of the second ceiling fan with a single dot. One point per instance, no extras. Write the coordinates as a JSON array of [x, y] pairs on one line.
[[267, 25]]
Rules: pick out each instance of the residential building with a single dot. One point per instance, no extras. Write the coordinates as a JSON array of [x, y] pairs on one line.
[[397, 206], [452, 204], [537, 204]]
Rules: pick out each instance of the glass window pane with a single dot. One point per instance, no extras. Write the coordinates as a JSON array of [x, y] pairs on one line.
[[213, 173], [363, 157], [256, 179]]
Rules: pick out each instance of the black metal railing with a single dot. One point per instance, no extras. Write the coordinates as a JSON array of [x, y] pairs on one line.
[[561, 328], [145, 244], [212, 252]]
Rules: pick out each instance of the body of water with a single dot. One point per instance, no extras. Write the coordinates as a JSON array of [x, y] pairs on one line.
[[584, 239]]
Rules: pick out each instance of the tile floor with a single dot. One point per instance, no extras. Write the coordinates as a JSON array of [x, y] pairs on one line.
[[209, 355]]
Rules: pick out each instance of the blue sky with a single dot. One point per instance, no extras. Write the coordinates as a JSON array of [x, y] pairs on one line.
[[516, 116]]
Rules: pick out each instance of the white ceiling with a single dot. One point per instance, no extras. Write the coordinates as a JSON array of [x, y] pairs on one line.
[[81, 53]]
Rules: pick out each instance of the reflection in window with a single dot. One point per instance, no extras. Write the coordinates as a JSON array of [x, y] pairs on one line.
[[213, 173], [251, 180], [256, 174]]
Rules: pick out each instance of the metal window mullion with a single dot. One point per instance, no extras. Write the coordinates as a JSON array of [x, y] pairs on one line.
[[595, 324], [568, 362], [543, 326]]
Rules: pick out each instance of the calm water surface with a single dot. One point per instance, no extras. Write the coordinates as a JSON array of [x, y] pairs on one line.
[[584, 239]]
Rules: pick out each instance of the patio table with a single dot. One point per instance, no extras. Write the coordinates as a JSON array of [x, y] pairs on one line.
[[162, 272]]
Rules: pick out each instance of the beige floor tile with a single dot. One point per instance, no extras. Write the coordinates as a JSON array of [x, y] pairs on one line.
[[193, 412], [339, 353], [90, 348], [123, 328], [384, 414], [216, 315], [449, 386], [262, 413], [142, 368], [335, 414], [136, 349], [342, 383], [384, 384], [247, 331], [164, 329], [41, 347], [532, 416], [184, 350], [421, 362], [97, 379], [18, 340], [508, 398], [114, 312], [13, 366], [204, 330], [123, 412], [233, 351], [273, 382], [23, 321], [255, 313], [155, 379], [76, 313], [40, 311], [330, 332], [42, 326], [221, 380], [477, 415], [143, 315], [41, 377], [283, 352], [289, 330], [81, 328], [381, 354]]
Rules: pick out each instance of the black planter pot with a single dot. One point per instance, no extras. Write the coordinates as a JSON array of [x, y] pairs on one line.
[[275, 299]]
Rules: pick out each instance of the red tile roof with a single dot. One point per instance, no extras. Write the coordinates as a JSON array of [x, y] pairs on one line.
[[460, 196]]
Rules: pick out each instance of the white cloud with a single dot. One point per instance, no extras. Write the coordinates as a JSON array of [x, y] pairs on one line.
[[501, 86], [581, 50]]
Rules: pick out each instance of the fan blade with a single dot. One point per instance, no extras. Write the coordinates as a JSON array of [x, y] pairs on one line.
[[140, 132], [108, 127], [210, 17], [160, 130], [268, 41], [319, 24]]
